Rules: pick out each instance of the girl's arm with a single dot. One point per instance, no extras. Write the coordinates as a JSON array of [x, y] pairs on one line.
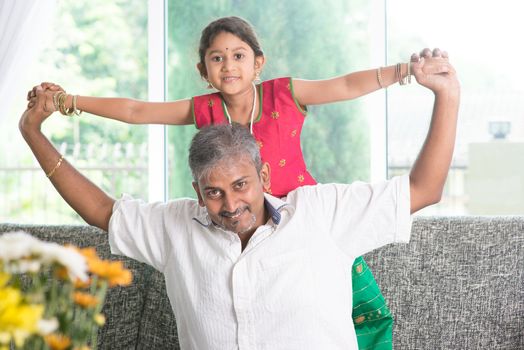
[[346, 87], [124, 109], [136, 111]]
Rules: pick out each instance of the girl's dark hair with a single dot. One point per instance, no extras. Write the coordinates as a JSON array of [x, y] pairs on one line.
[[234, 25]]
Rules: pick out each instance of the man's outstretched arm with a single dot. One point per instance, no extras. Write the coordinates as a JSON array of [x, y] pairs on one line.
[[87, 199], [428, 174]]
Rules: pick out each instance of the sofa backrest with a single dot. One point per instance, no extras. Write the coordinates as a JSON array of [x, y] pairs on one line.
[[458, 284]]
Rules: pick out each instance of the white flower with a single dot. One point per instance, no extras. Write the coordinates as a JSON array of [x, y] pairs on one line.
[[23, 266], [16, 245], [68, 257], [46, 327], [22, 252]]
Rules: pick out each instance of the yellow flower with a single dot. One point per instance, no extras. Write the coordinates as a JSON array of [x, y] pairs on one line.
[[88, 253], [100, 319], [57, 341], [79, 284], [85, 300], [112, 271], [56, 266], [5, 339], [17, 319], [4, 278]]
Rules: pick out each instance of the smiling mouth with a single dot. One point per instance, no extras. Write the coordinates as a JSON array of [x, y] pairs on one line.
[[234, 226], [229, 79], [234, 214]]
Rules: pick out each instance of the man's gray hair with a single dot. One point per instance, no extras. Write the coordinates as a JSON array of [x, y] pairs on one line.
[[215, 144]]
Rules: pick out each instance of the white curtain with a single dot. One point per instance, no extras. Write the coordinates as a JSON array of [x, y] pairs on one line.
[[23, 25]]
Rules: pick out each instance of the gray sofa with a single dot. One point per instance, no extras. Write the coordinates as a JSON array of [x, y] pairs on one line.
[[459, 284]]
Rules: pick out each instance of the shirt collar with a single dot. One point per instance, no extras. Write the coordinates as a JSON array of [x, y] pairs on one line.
[[273, 205]]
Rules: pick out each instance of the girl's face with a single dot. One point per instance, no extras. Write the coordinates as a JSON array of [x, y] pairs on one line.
[[230, 64]]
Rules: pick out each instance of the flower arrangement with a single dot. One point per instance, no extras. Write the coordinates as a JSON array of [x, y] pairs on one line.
[[51, 295]]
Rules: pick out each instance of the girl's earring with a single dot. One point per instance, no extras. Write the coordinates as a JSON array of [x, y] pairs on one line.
[[257, 77], [209, 85]]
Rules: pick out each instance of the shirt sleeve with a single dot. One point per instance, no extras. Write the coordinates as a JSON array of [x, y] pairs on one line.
[[143, 231], [361, 217]]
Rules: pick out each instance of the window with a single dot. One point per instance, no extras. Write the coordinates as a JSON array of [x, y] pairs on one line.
[[101, 49], [96, 48], [486, 177]]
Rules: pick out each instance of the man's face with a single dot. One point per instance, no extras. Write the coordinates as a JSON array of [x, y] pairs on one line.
[[233, 194]]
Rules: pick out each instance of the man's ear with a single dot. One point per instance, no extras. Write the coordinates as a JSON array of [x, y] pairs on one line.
[[199, 195], [265, 176], [202, 70]]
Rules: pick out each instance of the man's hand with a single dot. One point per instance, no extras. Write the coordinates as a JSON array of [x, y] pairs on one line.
[[433, 70], [50, 89], [37, 111]]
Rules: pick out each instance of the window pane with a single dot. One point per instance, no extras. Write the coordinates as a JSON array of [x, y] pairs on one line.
[[487, 170], [96, 48], [310, 40]]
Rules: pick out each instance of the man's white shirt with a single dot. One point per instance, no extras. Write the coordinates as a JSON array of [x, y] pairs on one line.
[[291, 286]]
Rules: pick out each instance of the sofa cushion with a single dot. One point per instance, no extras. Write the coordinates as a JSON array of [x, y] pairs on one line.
[[459, 283]]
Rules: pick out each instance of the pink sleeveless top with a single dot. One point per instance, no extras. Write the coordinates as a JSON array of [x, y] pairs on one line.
[[277, 131]]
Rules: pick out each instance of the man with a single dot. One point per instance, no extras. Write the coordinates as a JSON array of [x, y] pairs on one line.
[[243, 269]]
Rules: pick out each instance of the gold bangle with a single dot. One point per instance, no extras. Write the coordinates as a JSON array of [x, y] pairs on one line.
[[379, 77], [62, 98], [69, 111], [75, 110], [403, 79], [55, 99], [398, 74], [49, 174], [61, 106]]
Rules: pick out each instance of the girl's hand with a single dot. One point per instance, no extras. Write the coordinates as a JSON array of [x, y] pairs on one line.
[[433, 70]]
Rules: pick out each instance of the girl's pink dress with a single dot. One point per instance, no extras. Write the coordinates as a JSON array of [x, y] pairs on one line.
[[277, 130]]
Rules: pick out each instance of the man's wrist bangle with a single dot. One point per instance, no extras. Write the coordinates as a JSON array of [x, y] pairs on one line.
[[49, 174]]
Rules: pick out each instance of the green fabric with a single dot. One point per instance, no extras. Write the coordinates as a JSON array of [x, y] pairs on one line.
[[371, 316]]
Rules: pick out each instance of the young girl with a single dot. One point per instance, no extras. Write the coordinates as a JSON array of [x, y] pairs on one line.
[[231, 61]]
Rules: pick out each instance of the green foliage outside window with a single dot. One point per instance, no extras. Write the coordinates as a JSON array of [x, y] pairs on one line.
[[301, 39]]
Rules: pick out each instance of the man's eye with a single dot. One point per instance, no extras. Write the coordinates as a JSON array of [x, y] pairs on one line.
[[213, 194], [241, 185]]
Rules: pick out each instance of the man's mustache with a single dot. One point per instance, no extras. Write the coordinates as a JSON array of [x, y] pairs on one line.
[[229, 214]]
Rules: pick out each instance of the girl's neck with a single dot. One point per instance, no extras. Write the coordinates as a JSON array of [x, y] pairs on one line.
[[240, 106]]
